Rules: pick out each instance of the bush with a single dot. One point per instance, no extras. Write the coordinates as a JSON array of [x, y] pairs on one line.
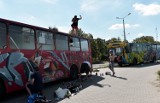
[[103, 57]]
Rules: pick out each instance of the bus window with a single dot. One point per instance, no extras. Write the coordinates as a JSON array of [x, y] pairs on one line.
[[84, 45], [74, 44], [21, 37], [133, 47], [61, 42], [158, 47], [144, 47], [118, 51], [45, 39], [149, 47], [154, 47], [2, 35], [140, 47]]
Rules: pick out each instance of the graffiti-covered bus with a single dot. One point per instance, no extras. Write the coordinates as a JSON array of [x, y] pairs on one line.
[[134, 53], [58, 55]]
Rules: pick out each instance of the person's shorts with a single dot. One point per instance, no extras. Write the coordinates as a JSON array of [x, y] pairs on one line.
[[74, 26]]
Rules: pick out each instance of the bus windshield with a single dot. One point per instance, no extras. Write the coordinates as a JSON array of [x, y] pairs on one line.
[[118, 50]]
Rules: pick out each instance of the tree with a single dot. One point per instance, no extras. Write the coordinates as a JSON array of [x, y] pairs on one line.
[[101, 47], [144, 39], [94, 49], [55, 29], [81, 33], [113, 40]]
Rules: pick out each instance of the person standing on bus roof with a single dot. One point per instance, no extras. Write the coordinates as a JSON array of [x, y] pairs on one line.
[[111, 62], [74, 24], [35, 84]]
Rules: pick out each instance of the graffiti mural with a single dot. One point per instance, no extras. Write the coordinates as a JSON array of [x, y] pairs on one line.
[[8, 71], [50, 62], [52, 65]]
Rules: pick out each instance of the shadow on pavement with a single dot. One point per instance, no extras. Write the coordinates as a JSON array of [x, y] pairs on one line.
[[91, 81], [95, 81], [109, 73], [21, 96], [118, 77]]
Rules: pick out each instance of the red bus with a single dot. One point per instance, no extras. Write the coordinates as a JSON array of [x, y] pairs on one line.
[[58, 55]]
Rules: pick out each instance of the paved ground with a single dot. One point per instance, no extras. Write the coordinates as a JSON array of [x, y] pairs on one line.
[[131, 85]]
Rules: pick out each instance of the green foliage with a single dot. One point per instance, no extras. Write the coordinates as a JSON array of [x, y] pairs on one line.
[[101, 45], [94, 49], [55, 29], [98, 46], [144, 39], [82, 34], [112, 40], [103, 57]]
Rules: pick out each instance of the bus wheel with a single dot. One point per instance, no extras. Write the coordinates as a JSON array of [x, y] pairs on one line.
[[120, 64], [153, 60], [134, 61], [74, 72], [2, 88]]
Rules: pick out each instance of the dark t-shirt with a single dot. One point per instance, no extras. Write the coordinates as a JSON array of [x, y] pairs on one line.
[[38, 83], [75, 21]]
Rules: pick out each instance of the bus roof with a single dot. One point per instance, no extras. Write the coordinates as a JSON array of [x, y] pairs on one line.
[[35, 27]]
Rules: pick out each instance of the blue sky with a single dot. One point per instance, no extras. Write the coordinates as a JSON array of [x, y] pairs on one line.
[[98, 16]]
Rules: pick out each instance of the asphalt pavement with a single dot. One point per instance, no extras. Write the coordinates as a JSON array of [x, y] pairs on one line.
[[138, 84]]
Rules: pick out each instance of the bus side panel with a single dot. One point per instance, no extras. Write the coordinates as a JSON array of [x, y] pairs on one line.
[[20, 82], [12, 71]]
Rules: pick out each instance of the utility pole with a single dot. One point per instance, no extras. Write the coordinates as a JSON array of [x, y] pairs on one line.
[[124, 25], [156, 34]]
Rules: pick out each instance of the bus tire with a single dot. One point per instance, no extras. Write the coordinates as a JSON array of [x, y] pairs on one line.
[[85, 68], [153, 60], [134, 61], [120, 64], [73, 72], [2, 88]]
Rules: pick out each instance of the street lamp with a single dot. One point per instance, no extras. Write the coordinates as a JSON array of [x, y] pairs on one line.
[[124, 25]]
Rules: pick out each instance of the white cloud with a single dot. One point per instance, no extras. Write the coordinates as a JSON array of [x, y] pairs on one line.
[[136, 25], [50, 1], [140, 34], [120, 26], [64, 29], [146, 10], [26, 18], [91, 5], [116, 26], [2, 5]]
